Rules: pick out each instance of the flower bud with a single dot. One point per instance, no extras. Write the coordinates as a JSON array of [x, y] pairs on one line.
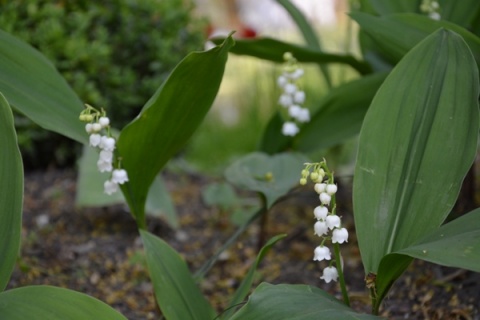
[[325, 198]]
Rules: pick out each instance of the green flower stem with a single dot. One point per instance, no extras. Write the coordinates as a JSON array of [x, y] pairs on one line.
[[338, 263]]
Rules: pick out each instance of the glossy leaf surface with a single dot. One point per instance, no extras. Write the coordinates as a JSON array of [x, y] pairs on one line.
[[273, 50], [11, 194], [300, 302], [52, 303], [168, 120], [34, 87], [340, 114], [405, 183], [177, 294]]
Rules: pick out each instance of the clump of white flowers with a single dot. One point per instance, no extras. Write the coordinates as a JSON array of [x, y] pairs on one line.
[[98, 127], [328, 225], [432, 8], [292, 97]]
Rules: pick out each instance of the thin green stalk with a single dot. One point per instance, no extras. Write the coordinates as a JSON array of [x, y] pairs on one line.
[[338, 263]]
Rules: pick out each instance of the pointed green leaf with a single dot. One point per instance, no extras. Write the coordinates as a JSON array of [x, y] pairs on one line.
[[35, 88], [45, 302], [299, 302], [273, 50], [247, 281], [177, 295], [168, 120], [11, 194], [405, 183], [273, 176], [394, 35], [455, 244], [340, 114]]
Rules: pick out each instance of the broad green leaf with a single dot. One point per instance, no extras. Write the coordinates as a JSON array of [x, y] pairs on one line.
[[177, 295], [273, 50], [308, 33], [299, 302], [405, 183], [247, 281], [455, 244], [396, 34], [11, 194], [272, 176], [34, 87], [340, 114], [168, 120], [52, 303], [90, 190]]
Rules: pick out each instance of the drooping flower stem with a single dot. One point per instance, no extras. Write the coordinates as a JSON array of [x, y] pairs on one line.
[[343, 287]]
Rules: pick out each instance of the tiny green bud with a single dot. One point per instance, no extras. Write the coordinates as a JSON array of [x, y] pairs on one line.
[[287, 56], [303, 181], [305, 173], [314, 176], [88, 118]]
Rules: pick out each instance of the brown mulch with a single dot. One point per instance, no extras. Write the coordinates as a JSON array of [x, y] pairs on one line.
[[97, 251]]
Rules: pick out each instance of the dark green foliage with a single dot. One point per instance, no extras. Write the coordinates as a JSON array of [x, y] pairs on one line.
[[113, 53]]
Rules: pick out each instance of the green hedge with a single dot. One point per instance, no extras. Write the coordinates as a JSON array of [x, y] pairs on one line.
[[113, 53]]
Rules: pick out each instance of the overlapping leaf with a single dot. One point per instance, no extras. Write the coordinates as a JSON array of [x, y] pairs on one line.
[[168, 120], [52, 303], [11, 193], [273, 176], [177, 294], [405, 182], [300, 302], [34, 87]]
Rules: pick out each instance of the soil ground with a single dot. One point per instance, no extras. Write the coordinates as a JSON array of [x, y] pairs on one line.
[[97, 251]]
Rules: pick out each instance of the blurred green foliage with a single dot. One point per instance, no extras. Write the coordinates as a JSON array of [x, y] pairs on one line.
[[113, 53]]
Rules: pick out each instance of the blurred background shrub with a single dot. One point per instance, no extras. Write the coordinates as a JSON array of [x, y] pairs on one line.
[[113, 53]]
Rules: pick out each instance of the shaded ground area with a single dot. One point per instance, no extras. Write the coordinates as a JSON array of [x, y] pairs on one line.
[[98, 252]]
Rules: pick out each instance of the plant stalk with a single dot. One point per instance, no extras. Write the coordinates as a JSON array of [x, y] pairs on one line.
[[338, 263]]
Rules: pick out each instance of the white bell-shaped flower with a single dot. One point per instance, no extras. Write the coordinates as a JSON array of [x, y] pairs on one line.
[[299, 97], [290, 129], [303, 115], [89, 128], [340, 236], [107, 143], [320, 212], [325, 198], [106, 155], [119, 176], [95, 139], [282, 81], [320, 187], [329, 274], [104, 122], [332, 221], [294, 110], [110, 187], [320, 228], [290, 88], [322, 253], [96, 127], [104, 166], [285, 100], [331, 189]]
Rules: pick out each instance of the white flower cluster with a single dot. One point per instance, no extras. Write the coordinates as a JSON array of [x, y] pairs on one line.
[[292, 98], [98, 127], [432, 8], [328, 224]]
